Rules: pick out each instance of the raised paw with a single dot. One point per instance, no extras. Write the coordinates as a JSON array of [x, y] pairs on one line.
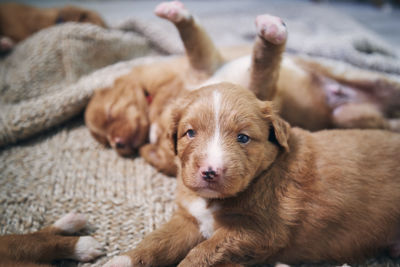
[[87, 248], [271, 28], [173, 11], [71, 223], [119, 261]]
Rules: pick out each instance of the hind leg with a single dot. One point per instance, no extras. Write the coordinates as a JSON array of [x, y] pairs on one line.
[[50, 244], [359, 115], [201, 51], [267, 55]]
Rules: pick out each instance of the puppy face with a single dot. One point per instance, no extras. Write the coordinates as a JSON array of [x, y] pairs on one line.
[[118, 117], [223, 137], [126, 130]]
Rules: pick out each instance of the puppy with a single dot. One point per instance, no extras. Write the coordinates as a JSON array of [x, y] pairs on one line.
[[49, 244], [18, 21], [253, 190], [307, 94]]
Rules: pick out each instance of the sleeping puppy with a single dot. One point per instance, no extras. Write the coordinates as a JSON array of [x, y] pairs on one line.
[[251, 189], [306, 93], [18, 21], [52, 243]]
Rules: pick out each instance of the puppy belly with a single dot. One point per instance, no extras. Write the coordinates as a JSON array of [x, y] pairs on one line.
[[236, 71]]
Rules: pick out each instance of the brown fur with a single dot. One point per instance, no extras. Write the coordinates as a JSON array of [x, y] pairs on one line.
[[287, 195], [43, 247], [307, 94], [18, 21]]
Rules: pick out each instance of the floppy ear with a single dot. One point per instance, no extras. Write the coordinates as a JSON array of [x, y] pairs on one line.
[[175, 112], [279, 128]]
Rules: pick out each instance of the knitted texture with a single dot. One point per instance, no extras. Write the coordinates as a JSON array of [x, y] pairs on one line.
[[64, 169], [40, 80]]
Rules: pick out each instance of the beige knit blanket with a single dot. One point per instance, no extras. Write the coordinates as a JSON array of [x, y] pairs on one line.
[[50, 165]]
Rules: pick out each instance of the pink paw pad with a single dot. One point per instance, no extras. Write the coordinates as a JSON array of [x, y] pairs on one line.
[[271, 28], [173, 11]]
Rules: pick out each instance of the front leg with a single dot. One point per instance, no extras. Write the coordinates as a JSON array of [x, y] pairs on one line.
[[227, 248], [165, 246], [202, 53]]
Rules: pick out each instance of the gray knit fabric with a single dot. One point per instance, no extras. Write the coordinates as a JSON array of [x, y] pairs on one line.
[[48, 80]]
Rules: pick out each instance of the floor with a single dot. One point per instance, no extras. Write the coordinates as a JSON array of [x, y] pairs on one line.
[[383, 21]]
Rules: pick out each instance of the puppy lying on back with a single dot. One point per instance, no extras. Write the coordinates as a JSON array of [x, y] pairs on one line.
[[307, 94], [52, 243], [253, 190], [18, 21]]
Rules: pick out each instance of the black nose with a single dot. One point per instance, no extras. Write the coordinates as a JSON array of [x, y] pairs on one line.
[[119, 144], [209, 175]]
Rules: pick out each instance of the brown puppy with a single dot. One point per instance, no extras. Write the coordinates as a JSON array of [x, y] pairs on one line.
[[147, 91], [18, 21], [307, 94], [253, 190], [50, 244]]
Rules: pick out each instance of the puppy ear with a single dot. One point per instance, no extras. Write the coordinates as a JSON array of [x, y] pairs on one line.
[[174, 116], [279, 128]]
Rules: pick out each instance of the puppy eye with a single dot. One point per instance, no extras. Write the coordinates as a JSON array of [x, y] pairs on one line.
[[190, 133], [242, 138]]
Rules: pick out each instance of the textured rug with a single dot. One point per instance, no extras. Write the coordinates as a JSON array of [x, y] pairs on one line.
[[50, 165]]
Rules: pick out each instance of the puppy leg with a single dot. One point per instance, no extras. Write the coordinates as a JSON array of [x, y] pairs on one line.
[[267, 54], [201, 51], [362, 116], [160, 157], [48, 245], [226, 248], [86, 247], [165, 246]]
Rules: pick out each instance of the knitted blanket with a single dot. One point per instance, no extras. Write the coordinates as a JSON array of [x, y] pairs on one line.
[[49, 163]]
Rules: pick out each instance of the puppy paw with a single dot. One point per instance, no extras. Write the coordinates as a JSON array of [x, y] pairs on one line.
[[87, 248], [71, 223], [119, 261], [173, 11], [271, 28]]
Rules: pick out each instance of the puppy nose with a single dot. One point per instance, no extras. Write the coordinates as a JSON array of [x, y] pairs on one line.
[[209, 174], [119, 143]]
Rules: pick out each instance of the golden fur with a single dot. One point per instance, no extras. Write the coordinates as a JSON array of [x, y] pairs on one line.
[[286, 195], [307, 94]]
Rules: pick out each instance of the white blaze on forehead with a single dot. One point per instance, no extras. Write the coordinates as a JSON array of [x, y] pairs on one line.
[[214, 148]]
